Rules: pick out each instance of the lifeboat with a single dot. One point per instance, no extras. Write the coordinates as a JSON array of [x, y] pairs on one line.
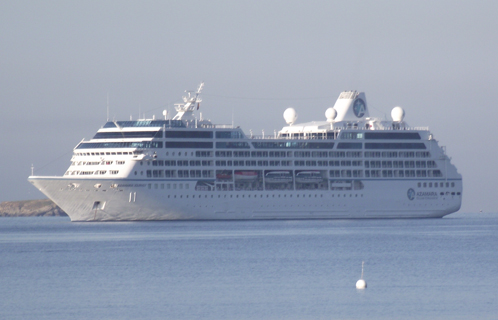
[[309, 177], [278, 177], [245, 175]]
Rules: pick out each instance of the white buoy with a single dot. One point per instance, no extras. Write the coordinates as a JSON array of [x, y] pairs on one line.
[[361, 284]]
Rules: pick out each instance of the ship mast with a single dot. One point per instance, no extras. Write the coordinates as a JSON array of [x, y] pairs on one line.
[[191, 103]]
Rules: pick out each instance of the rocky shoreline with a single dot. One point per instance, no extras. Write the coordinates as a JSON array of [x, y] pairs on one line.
[[30, 208]]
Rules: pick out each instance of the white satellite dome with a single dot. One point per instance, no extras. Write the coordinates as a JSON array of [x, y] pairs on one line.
[[330, 114], [290, 116], [397, 114]]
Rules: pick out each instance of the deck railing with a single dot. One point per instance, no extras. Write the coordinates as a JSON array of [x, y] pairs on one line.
[[324, 136]]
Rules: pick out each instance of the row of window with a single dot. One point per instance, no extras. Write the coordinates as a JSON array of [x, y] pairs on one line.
[[310, 135], [357, 135], [145, 123], [119, 145], [311, 154], [381, 135], [403, 173], [300, 163], [181, 186], [281, 154], [179, 173], [346, 173], [400, 164], [184, 134], [332, 174], [229, 187], [292, 145], [118, 153], [435, 184], [128, 134], [397, 154], [245, 145]]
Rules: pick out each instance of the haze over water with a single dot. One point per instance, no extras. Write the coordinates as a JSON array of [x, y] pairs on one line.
[[431, 269]]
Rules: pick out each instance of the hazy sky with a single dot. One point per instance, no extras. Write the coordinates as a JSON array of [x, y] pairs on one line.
[[60, 59]]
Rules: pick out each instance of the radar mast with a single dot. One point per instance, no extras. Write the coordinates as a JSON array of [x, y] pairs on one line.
[[191, 103]]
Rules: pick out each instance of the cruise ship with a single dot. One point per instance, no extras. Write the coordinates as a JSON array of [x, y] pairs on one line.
[[348, 165]]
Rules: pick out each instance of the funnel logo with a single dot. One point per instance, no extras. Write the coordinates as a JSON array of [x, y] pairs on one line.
[[359, 108], [411, 194]]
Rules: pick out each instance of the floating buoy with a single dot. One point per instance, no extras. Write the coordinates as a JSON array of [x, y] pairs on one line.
[[361, 284]]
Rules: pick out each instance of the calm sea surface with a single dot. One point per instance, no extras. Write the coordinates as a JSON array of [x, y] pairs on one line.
[[51, 268]]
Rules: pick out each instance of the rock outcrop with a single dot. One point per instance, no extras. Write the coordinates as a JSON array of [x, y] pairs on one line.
[[30, 208]]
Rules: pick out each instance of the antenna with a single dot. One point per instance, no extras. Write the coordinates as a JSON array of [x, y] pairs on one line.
[[191, 103], [107, 106], [32, 169]]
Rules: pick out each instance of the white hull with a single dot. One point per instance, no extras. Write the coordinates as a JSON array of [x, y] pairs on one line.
[[133, 200]]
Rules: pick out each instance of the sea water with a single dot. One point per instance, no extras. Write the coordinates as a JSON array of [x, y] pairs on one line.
[[51, 268]]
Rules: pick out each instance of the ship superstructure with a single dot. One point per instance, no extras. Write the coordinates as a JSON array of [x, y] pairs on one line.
[[347, 166]]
